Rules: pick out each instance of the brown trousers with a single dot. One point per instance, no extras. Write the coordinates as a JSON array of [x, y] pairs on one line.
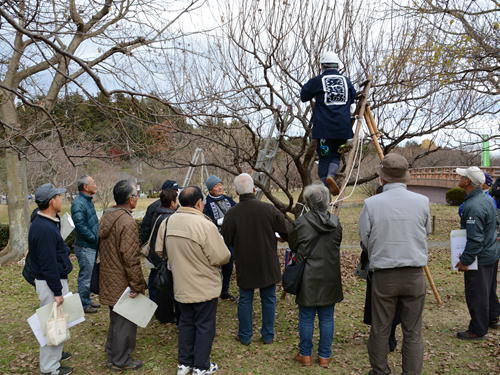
[[405, 288]]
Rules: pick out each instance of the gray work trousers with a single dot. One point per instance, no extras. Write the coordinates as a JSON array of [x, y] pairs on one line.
[[403, 287], [49, 355], [121, 340]]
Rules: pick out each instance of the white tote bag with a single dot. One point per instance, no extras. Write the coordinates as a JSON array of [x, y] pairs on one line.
[[57, 326]]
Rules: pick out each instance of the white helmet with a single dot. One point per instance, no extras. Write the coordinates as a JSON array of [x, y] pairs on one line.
[[329, 57]]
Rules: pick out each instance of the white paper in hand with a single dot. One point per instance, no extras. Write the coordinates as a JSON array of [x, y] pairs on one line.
[[67, 225], [138, 310], [458, 239]]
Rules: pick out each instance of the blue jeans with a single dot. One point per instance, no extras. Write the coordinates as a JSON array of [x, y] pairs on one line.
[[245, 313], [306, 329], [329, 160], [86, 260]]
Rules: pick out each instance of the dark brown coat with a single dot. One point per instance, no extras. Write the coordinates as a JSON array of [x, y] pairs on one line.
[[119, 253], [249, 227]]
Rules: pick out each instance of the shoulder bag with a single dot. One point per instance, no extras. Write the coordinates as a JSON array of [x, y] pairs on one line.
[[164, 280], [293, 273]]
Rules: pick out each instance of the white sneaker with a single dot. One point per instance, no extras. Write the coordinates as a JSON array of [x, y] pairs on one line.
[[183, 370], [211, 370]]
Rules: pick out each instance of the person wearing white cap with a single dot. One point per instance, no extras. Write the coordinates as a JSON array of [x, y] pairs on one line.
[[333, 94], [479, 219]]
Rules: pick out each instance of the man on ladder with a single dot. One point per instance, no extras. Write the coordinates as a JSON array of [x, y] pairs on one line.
[[334, 94]]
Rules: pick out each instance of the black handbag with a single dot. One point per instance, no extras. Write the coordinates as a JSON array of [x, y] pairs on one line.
[[294, 272], [164, 279]]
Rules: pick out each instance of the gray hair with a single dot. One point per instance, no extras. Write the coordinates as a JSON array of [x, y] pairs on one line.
[[123, 190], [82, 181], [243, 184], [317, 197]]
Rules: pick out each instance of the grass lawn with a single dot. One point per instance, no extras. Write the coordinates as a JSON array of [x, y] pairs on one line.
[[156, 345]]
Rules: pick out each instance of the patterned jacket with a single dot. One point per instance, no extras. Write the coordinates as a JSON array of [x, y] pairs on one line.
[[119, 253]]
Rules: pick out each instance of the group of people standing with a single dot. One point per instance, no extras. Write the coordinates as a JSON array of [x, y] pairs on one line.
[[203, 237]]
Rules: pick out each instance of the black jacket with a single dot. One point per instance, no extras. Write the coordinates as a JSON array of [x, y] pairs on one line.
[[147, 221], [48, 253], [249, 228], [495, 191], [320, 233]]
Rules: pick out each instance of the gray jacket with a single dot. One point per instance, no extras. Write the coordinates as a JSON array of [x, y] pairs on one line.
[[394, 226]]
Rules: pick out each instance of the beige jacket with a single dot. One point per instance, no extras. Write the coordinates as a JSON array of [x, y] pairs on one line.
[[195, 252]]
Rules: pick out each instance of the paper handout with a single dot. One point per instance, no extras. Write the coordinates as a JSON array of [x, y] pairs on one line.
[[72, 306], [67, 225], [458, 238], [138, 310]]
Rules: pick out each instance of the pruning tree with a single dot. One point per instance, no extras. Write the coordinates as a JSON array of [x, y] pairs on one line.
[[246, 78]]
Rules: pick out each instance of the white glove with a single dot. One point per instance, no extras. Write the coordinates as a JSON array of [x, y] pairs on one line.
[[219, 221]]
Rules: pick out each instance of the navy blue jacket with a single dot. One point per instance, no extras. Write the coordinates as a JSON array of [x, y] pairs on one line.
[[216, 207], [48, 253], [334, 94], [86, 221], [479, 218]]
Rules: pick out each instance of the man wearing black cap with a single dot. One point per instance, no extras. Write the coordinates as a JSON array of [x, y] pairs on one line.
[[49, 256], [393, 226]]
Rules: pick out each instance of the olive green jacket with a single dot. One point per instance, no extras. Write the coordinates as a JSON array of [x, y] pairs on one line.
[[321, 282]]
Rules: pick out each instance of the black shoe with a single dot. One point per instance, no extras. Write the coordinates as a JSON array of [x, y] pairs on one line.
[[60, 371], [495, 324], [246, 343], [468, 335], [132, 364], [228, 296], [65, 356], [266, 341]]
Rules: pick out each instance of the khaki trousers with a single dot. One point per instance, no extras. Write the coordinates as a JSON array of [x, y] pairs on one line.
[[49, 355], [405, 288]]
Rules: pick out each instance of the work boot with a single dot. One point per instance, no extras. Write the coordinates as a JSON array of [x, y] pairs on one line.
[[332, 186], [304, 359], [324, 362]]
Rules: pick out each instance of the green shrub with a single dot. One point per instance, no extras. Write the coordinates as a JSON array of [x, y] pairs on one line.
[[455, 196]]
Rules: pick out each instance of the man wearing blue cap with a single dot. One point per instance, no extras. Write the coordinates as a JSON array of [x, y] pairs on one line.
[[49, 257], [216, 206]]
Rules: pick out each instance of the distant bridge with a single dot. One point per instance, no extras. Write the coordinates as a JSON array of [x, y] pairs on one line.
[[434, 182]]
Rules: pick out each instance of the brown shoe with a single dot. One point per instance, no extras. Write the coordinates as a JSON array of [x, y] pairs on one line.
[[304, 359], [324, 362], [332, 186]]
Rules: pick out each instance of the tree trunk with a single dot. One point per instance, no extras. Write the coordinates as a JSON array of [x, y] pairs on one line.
[[17, 191]]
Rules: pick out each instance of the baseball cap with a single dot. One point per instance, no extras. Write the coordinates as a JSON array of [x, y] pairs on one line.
[[170, 184], [472, 173], [47, 192]]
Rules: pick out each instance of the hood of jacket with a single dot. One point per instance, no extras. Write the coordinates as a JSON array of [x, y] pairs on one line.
[[109, 218], [322, 222]]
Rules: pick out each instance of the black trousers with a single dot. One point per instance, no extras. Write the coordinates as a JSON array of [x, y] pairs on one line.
[[121, 340], [227, 270], [196, 333], [481, 297]]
